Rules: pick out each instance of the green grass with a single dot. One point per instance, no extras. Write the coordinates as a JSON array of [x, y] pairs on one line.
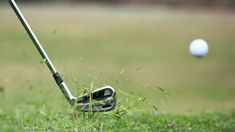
[[44, 119], [136, 51]]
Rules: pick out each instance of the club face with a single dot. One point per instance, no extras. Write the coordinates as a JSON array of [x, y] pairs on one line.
[[100, 100]]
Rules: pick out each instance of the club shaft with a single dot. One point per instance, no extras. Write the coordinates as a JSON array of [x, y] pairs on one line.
[[63, 87], [33, 36]]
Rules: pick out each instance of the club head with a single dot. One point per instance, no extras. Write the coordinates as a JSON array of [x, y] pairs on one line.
[[99, 100]]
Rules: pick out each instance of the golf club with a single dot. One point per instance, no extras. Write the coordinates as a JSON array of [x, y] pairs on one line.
[[100, 100]]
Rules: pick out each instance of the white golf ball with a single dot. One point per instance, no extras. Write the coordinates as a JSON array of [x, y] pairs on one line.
[[198, 48]]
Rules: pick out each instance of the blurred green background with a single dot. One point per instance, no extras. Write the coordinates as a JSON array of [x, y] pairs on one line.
[[229, 3], [136, 48]]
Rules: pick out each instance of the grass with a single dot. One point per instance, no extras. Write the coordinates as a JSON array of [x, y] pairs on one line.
[[47, 120], [142, 53]]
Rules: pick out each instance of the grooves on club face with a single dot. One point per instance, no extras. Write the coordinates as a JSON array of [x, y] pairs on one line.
[[100, 100]]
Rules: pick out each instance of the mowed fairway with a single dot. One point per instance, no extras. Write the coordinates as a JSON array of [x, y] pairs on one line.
[[135, 50]]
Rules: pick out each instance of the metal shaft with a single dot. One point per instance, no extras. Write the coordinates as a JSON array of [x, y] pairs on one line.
[[63, 87]]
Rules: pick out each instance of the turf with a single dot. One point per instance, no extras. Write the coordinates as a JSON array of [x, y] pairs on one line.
[[47, 120], [142, 52]]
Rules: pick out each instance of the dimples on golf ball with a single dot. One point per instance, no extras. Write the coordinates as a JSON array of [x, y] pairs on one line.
[[198, 48]]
